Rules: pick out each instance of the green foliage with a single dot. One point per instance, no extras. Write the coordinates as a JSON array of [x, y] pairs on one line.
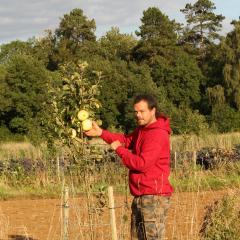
[[4, 133], [171, 67], [216, 95], [76, 27], [115, 45], [231, 70], [4, 102], [212, 66], [202, 24], [180, 76], [23, 93], [73, 39], [7, 135], [180, 66], [222, 219], [225, 118], [121, 81], [155, 24], [158, 36], [76, 92], [7, 51], [185, 121]]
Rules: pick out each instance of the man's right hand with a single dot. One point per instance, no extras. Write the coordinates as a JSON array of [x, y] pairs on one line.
[[96, 131]]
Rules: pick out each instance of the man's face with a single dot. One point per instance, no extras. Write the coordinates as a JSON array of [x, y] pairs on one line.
[[143, 114]]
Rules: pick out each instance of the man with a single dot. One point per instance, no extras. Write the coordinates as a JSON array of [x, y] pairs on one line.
[[149, 166]]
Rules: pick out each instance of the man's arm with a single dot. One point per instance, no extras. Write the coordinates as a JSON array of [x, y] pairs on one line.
[[109, 137], [152, 150]]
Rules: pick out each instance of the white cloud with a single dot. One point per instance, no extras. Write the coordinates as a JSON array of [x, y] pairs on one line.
[[5, 21], [40, 20], [22, 19], [226, 26]]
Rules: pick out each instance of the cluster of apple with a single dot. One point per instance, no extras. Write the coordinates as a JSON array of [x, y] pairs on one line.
[[83, 116]]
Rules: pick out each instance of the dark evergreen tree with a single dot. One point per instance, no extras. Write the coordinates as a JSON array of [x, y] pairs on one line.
[[203, 25], [231, 70], [114, 45], [171, 68], [74, 39]]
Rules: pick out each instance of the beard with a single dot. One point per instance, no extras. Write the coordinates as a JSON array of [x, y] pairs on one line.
[[145, 122], [141, 122]]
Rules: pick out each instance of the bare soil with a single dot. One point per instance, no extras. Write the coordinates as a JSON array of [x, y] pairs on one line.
[[42, 219]]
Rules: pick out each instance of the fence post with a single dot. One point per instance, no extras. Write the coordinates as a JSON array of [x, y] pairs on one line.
[[65, 213], [175, 160], [58, 168], [112, 213], [194, 158]]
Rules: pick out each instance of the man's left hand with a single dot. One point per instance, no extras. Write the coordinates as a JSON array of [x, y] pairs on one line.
[[114, 145]]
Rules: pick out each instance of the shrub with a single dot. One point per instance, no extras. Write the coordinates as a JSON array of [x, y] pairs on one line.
[[222, 219], [7, 135], [185, 121], [225, 119]]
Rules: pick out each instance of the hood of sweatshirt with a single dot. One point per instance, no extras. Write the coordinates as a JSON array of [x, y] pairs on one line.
[[162, 123]]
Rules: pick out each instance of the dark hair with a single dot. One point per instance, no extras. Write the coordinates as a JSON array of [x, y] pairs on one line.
[[151, 101]]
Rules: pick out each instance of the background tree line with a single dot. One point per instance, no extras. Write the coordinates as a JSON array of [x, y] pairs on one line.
[[192, 70]]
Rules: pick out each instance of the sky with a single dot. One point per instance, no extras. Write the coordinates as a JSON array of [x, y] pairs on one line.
[[24, 19]]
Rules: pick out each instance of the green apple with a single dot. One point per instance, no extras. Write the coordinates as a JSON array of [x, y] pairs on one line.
[[82, 115], [87, 124], [99, 122], [73, 133]]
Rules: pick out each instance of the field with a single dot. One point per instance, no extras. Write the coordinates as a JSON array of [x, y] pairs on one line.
[[41, 219], [204, 169]]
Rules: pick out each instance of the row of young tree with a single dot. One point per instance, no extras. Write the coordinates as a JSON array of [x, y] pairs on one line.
[[192, 70]]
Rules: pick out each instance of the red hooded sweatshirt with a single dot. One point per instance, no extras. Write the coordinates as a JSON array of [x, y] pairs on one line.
[[149, 159]]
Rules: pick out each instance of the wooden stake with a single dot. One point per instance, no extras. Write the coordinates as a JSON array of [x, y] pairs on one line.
[[58, 169], [194, 159], [175, 160], [65, 213], [112, 213]]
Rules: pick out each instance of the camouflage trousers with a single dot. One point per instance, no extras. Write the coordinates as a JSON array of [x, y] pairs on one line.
[[148, 217]]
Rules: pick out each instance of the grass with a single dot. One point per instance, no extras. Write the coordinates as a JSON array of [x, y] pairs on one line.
[[222, 219], [12, 150], [179, 143], [30, 192], [184, 143], [196, 181], [205, 181], [20, 184], [185, 178]]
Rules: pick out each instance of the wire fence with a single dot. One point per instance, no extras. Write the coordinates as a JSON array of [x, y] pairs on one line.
[[94, 215], [82, 218], [87, 215]]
